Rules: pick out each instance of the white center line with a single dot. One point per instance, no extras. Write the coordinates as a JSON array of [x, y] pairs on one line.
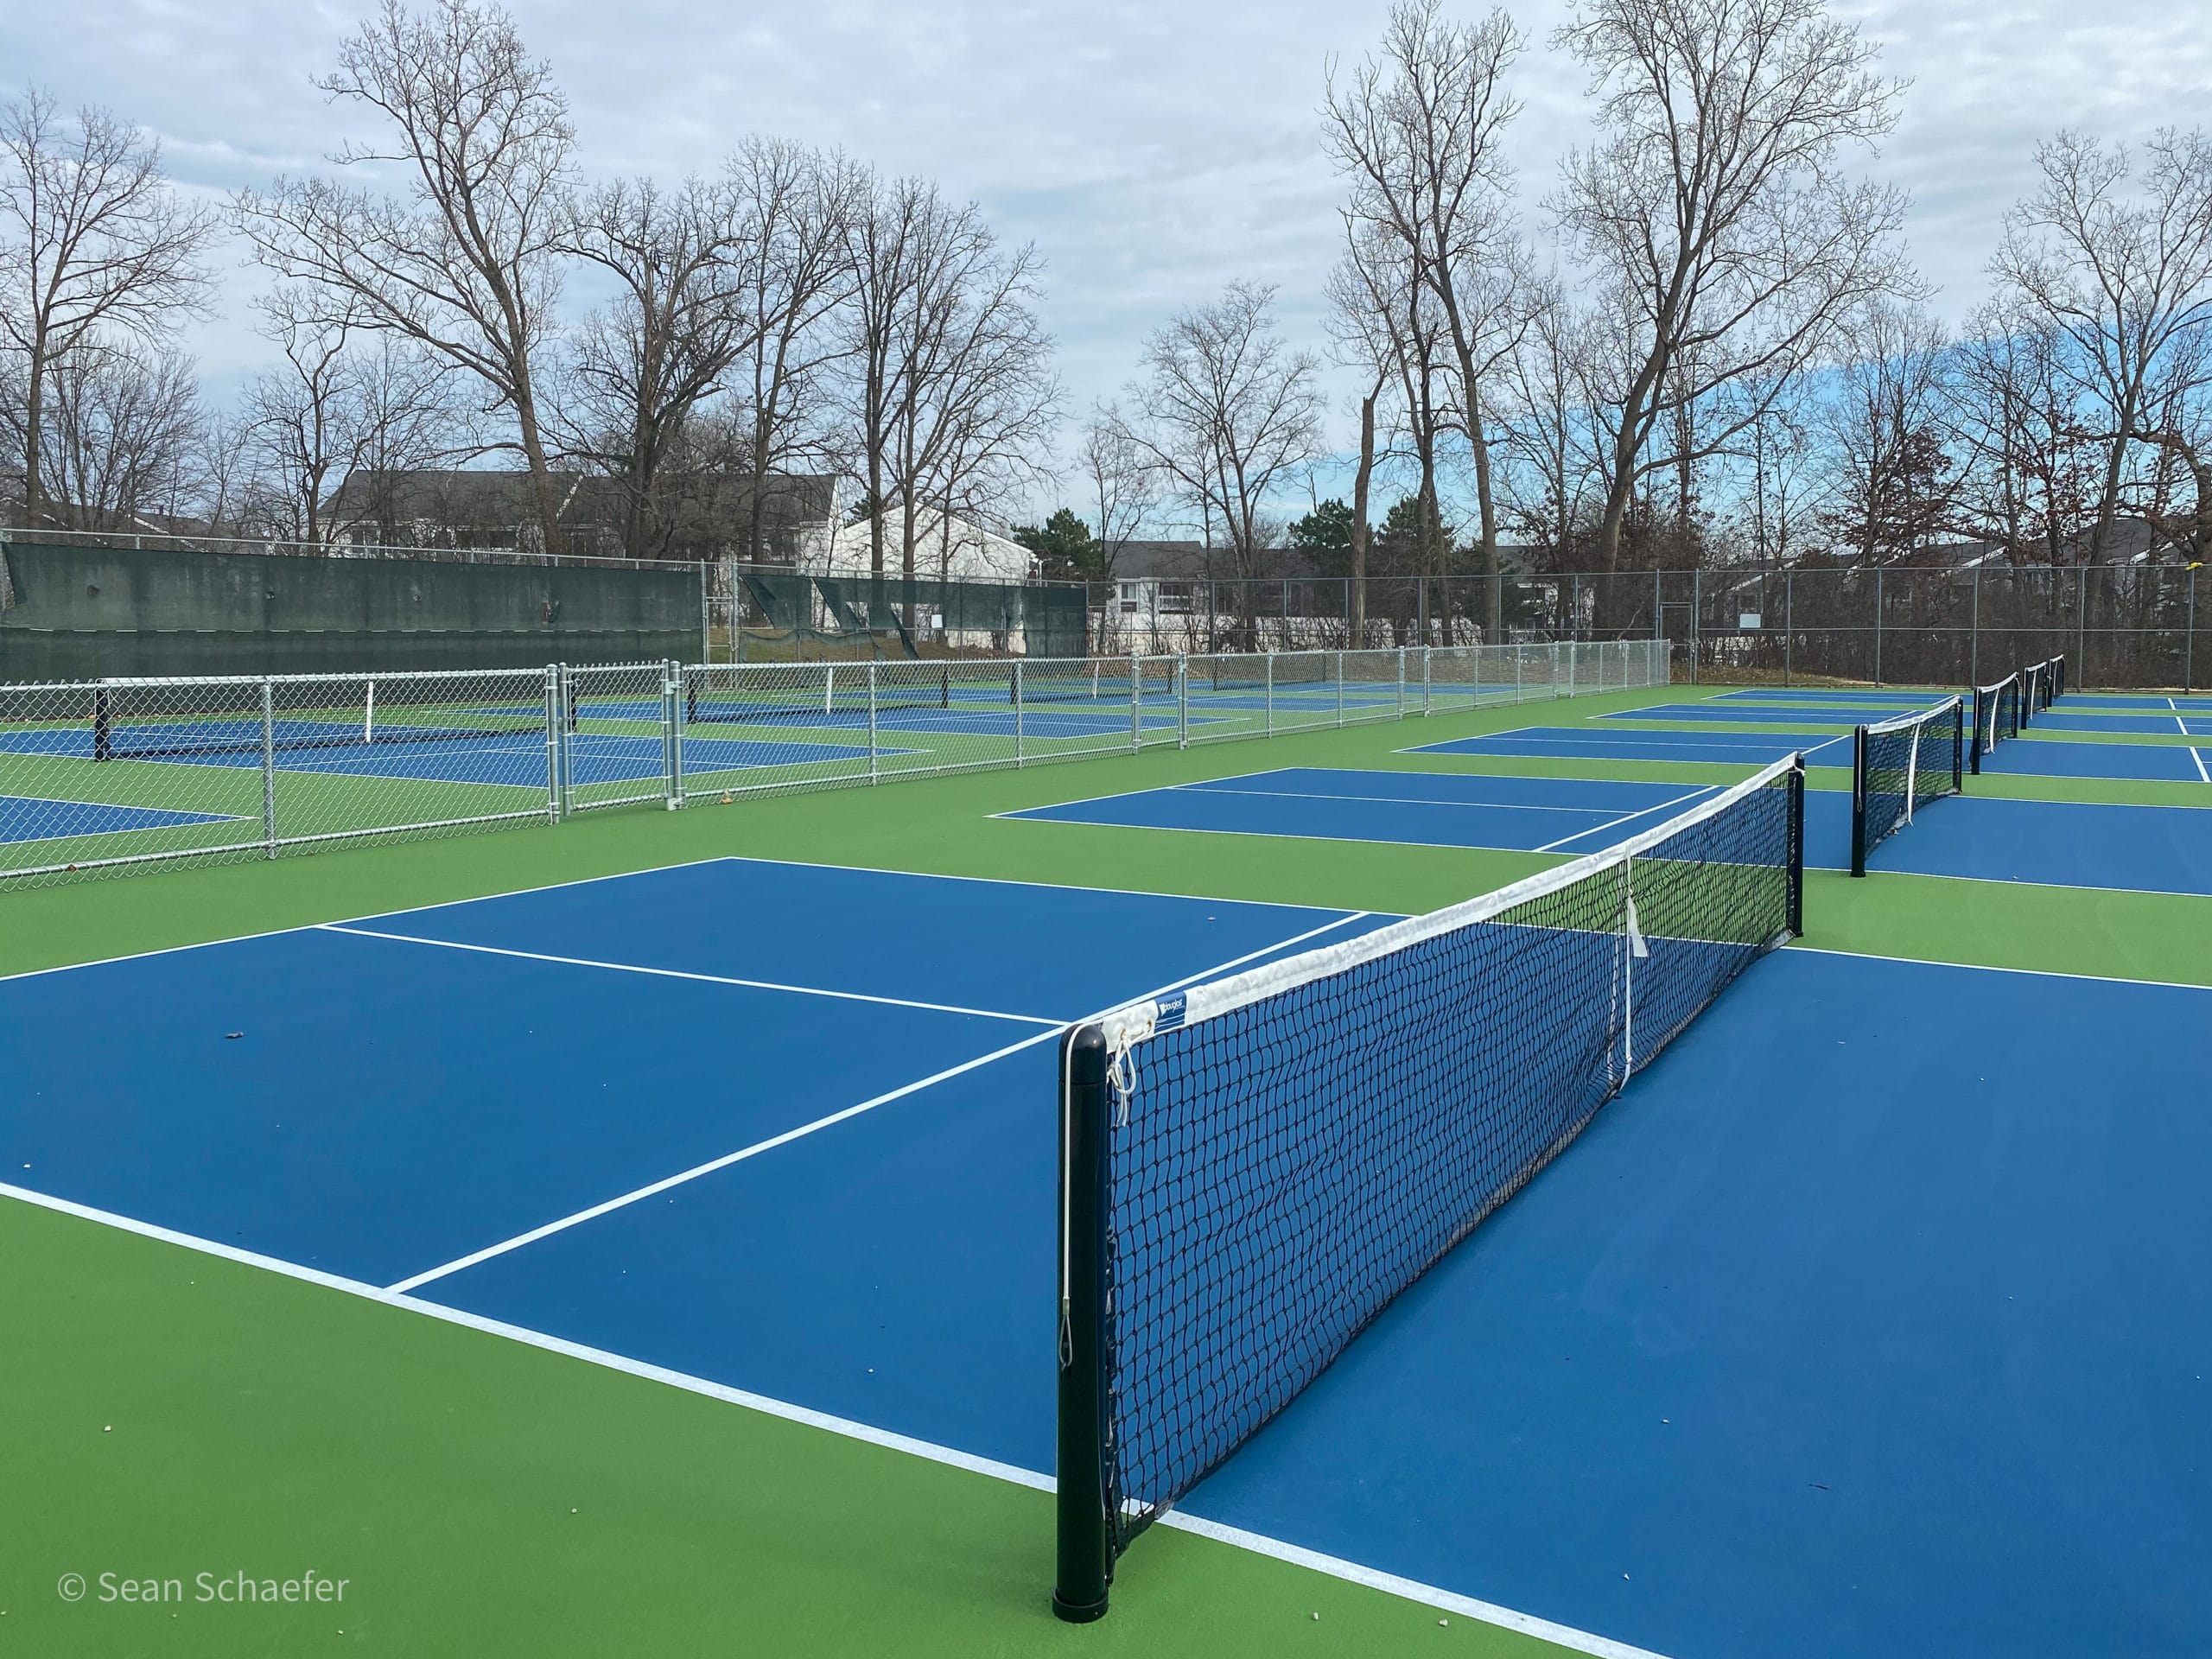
[[820, 1123], [1581, 834], [712, 1164]]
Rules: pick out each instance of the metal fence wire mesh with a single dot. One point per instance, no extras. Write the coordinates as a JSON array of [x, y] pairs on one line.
[[1287, 1150], [119, 774]]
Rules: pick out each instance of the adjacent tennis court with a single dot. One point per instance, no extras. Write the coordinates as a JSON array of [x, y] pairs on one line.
[[1980, 838]]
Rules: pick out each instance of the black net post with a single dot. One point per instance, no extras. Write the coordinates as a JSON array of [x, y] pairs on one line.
[[1796, 917], [103, 726], [1981, 714], [1859, 800], [1085, 1547]]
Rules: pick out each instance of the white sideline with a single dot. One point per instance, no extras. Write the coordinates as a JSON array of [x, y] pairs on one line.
[[1013, 1474]]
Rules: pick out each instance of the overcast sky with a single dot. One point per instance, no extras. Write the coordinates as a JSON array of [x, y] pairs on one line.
[[1153, 150]]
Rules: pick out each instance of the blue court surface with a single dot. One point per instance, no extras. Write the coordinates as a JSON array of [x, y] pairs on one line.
[[2092, 700], [1746, 749], [2171, 725], [1834, 1334], [2041, 757], [27, 818], [516, 761], [989, 720], [1795, 713], [2029, 756], [2156, 849], [1846, 694], [485, 1068]]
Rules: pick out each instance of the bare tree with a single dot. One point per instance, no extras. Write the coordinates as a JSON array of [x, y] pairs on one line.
[[95, 246], [2029, 479], [1420, 131], [791, 273], [465, 258], [1119, 485], [1727, 248], [1774, 458], [952, 367], [351, 407], [1552, 469], [1889, 479], [642, 365], [2120, 265], [122, 438], [1386, 321], [1227, 415], [883, 259]]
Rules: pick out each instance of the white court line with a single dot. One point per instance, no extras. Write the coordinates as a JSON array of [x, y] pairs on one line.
[[309, 927], [713, 1163], [1630, 817], [1289, 834], [1007, 880], [1396, 800], [629, 875], [2197, 755], [2017, 881], [1645, 751], [742, 1153], [678, 973], [1992, 968], [845, 1428]]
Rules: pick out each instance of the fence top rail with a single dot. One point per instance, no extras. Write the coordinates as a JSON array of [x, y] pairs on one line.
[[278, 547], [982, 665], [536, 671]]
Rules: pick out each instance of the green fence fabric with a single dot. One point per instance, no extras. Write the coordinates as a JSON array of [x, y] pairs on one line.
[[84, 612]]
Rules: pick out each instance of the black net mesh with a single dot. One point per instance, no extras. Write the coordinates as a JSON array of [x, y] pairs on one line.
[[1903, 765], [744, 694], [181, 719], [1281, 1171], [1996, 714]]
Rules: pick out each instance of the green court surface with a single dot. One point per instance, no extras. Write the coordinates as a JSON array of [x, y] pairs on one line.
[[168, 1411]]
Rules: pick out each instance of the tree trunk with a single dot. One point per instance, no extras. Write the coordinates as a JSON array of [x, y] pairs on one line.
[[1485, 504], [1361, 481], [34, 433]]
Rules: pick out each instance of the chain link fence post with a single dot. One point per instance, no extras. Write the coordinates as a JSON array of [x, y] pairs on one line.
[[269, 767]]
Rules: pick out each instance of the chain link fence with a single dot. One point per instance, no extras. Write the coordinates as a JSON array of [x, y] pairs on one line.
[[2133, 626], [101, 776]]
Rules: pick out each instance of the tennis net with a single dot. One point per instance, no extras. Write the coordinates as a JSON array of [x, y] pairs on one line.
[[1996, 718], [181, 720], [834, 693], [1254, 1168], [1900, 765], [2040, 684]]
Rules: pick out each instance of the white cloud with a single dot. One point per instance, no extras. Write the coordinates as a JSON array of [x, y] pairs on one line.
[[1153, 150]]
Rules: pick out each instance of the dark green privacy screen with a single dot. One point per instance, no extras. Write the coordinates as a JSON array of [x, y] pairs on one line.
[[87, 612]]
